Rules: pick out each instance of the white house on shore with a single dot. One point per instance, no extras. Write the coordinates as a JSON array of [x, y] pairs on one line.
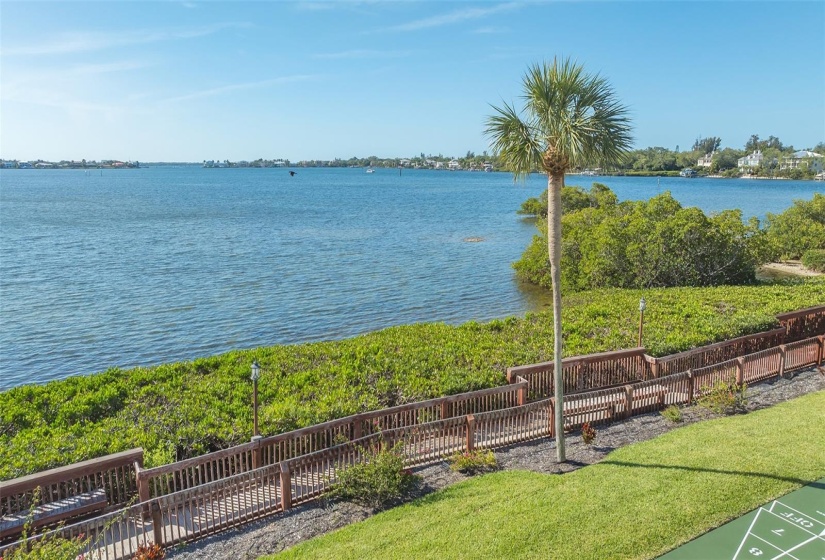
[[750, 161], [803, 159], [706, 160], [453, 165]]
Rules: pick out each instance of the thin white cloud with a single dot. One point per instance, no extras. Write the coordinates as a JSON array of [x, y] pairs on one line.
[[364, 53], [58, 99], [91, 41], [456, 16], [239, 87], [29, 86], [491, 30], [316, 6]]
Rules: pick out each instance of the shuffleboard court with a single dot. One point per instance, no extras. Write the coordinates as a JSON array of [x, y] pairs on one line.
[[789, 528]]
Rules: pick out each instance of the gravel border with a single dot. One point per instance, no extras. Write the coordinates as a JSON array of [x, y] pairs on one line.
[[281, 531]]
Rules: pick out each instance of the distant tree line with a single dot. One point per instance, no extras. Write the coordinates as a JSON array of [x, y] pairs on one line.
[[724, 160]]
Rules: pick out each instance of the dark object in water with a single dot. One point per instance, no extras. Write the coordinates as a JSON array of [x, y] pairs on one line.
[[292, 174]]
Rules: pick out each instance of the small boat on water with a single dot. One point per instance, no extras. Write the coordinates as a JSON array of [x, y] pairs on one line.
[[370, 170], [687, 172]]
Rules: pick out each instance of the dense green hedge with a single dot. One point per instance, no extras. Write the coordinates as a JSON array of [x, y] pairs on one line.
[[634, 244], [814, 259], [184, 409], [798, 229]]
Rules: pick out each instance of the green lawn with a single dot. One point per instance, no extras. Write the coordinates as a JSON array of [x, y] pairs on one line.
[[640, 502]]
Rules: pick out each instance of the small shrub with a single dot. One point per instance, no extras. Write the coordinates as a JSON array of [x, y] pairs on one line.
[[814, 259], [473, 462], [725, 397], [149, 552], [588, 433], [377, 482], [673, 413]]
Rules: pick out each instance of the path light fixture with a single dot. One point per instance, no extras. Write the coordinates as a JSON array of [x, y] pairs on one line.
[[256, 374], [642, 306]]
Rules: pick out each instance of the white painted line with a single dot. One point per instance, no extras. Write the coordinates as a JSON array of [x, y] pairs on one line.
[[788, 552], [755, 517]]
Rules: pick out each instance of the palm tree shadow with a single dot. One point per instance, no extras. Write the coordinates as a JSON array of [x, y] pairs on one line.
[[815, 484]]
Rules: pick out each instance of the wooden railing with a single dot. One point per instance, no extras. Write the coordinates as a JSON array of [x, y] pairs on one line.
[[213, 506], [174, 477], [199, 470], [714, 353], [281, 447], [804, 323], [582, 373], [115, 474]]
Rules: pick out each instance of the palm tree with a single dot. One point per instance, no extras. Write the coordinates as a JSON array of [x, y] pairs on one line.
[[570, 119]]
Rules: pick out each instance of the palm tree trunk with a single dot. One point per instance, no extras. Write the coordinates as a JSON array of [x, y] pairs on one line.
[[555, 182]]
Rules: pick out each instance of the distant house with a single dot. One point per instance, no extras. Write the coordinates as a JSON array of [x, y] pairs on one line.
[[750, 161], [43, 165], [453, 165], [439, 165], [706, 160], [803, 159], [404, 163]]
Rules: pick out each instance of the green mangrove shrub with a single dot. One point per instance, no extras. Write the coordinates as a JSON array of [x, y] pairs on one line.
[[724, 397], [655, 243], [376, 482], [473, 462], [814, 259]]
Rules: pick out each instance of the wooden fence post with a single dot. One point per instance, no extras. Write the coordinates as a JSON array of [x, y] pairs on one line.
[[356, 428], [157, 523], [286, 486], [690, 386], [821, 355], [781, 360], [522, 395], [552, 416], [471, 433], [445, 410], [256, 452], [628, 391], [740, 371], [142, 482]]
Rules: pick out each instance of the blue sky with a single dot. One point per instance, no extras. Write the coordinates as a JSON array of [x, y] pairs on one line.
[[189, 81]]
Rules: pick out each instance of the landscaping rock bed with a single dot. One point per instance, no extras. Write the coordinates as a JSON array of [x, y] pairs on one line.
[[282, 531]]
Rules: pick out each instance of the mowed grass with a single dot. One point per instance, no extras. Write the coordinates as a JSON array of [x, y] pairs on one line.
[[640, 502]]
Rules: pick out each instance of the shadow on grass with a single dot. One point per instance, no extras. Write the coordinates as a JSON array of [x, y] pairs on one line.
[[802, 481]]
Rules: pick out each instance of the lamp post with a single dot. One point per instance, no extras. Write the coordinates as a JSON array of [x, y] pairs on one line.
[[256, 374], [642, 305]]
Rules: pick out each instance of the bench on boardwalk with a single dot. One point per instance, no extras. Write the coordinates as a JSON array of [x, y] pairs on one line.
[[53, 512]]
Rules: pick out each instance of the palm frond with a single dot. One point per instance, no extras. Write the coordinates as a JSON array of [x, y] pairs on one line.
[[574, 113], [514, 140]]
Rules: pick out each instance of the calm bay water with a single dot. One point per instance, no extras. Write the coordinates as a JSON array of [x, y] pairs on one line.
[[145, 266]]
